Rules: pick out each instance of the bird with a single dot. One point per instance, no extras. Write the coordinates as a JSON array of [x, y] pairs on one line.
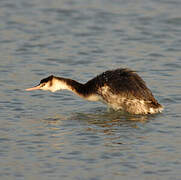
[[121, 89]]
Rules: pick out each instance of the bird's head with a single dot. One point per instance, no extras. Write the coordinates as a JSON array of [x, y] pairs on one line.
[[50, 83]]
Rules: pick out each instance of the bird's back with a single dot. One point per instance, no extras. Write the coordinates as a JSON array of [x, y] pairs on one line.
[[124, 89]]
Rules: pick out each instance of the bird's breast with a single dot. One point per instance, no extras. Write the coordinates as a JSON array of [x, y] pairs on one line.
[[93, 97]]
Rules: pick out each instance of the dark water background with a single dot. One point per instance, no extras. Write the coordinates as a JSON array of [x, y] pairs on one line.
[[47, 135]]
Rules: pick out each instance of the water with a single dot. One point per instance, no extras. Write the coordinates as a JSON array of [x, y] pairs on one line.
[[47, 135]]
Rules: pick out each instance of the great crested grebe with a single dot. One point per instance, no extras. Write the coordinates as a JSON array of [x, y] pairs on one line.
[[120, 89]]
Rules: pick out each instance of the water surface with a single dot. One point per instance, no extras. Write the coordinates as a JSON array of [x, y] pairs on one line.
[[47, 135]]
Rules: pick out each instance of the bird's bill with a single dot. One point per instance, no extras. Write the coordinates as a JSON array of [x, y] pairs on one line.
[[33, 88]]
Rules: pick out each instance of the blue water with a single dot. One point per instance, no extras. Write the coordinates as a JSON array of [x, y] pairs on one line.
[[47, 135]]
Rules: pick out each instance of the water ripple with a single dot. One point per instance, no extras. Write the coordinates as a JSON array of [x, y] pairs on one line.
[[60, 136]]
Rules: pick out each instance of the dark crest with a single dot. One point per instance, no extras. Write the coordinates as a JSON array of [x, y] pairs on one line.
[[45, 80]]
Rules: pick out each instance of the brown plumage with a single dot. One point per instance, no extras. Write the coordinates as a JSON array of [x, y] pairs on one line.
[[120, 89]]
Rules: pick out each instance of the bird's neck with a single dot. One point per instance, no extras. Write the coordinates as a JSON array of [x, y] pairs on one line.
[[83, 90], [69, 84]]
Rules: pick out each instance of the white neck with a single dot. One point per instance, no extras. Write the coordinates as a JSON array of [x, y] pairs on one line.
[[59, 85], [74, 86]]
